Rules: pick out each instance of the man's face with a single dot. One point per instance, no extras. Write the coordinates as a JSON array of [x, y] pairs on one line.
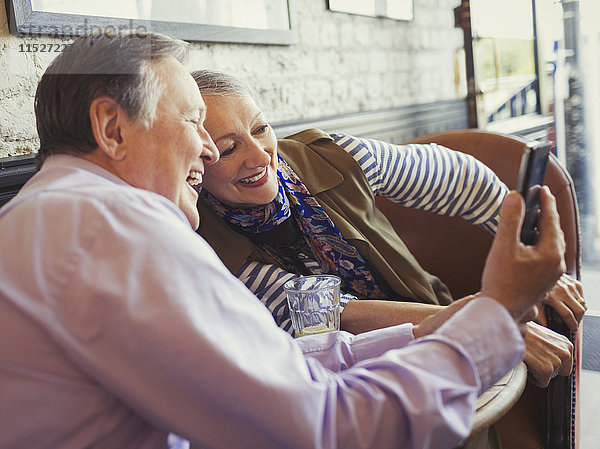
[[169, 158]]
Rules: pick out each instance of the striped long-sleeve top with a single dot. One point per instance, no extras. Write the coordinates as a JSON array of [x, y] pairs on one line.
[[429, 177]]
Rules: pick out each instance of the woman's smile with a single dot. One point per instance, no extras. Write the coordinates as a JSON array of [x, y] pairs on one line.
[[256, 180]]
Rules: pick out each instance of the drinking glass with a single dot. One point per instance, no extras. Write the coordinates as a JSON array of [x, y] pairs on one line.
[[314, 303]]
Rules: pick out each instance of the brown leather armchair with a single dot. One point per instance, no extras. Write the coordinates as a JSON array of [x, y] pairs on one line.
[[455, 251]]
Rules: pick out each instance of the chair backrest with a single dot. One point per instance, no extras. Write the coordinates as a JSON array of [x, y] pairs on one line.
[[455, 251]]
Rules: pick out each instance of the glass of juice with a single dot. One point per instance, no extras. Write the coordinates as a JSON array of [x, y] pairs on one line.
[[314, 303]]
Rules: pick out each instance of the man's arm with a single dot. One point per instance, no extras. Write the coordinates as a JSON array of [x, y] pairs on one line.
[[169, 332]]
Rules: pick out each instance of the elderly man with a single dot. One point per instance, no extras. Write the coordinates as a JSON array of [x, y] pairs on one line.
[[120, 327]]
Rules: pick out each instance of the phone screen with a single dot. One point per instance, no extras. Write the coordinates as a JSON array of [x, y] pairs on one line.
[[531, 179]]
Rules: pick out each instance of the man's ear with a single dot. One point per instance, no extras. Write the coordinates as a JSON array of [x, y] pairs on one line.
[[108, 118]]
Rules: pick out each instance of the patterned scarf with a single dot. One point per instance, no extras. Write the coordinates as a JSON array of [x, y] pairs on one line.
[[327, 245]]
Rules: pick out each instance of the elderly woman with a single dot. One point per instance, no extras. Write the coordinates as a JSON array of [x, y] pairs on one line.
[[305, 205]]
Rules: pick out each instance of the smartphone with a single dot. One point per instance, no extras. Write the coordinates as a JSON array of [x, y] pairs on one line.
[[531, 179]]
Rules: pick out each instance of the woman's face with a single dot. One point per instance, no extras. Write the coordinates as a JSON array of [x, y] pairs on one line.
[[246, 173]]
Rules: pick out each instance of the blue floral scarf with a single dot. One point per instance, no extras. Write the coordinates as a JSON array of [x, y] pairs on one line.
[[329, 248]]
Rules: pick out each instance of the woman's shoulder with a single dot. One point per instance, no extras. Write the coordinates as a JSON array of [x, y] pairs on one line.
[[308, 136]]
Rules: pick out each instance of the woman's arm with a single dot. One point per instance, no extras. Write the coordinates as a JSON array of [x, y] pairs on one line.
[[266, 282], [429, 177], [369, 314]]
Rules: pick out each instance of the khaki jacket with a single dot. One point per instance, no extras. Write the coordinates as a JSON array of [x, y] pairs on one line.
[[340, 186]]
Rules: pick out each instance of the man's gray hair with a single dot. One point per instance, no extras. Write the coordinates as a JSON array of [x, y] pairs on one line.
[[213, 82], [113, 65]]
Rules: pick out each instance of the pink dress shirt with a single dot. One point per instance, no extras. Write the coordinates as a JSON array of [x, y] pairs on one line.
[[119, 325]]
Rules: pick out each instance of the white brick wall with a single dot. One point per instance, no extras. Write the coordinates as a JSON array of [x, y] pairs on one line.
[[343, 63]]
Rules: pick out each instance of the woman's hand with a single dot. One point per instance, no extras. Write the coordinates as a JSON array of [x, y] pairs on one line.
[[566, 297], [547, 354]]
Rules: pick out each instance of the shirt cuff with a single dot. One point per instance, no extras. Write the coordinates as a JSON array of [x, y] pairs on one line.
[[488, 335], [340, 350], [377, 342]]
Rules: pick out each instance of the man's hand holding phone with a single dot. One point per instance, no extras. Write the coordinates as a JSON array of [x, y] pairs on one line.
[[519, 275]]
